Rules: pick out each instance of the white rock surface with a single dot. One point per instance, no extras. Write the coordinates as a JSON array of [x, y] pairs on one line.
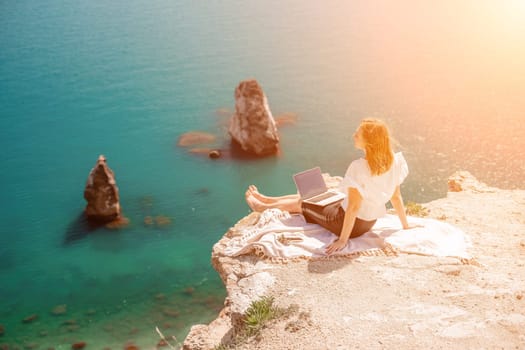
[[389, 302]]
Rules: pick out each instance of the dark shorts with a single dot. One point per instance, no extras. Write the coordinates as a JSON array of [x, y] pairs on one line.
[[332, 216]]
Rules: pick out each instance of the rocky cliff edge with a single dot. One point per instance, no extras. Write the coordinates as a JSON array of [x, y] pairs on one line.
[[383, 302]]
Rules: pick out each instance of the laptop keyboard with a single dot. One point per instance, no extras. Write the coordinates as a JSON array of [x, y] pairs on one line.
[[320, 197]]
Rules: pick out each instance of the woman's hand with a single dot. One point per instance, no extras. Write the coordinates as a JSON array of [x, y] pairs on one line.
[[336, 246], [331, 211]]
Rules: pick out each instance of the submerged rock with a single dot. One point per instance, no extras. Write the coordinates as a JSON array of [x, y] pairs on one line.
[[70, 322], [78, 345], [214, 154], [200, 150], [194, 138], [160, 296], [252, 126], [30, 318], [162, 343], [161, 220], [101, 194], [59, 310], [158, 221], [148, 220], [189, 290], [203, 191], [170, 312]]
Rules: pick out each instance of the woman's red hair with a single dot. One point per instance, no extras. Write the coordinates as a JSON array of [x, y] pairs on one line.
[[378, 149]]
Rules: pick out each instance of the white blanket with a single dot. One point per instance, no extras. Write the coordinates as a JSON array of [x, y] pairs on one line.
[[277, 234]]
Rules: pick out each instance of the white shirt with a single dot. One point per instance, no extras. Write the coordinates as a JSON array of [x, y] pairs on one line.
[[375, 190]]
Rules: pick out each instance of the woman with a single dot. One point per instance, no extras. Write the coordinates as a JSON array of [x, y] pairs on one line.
[[369, 183]]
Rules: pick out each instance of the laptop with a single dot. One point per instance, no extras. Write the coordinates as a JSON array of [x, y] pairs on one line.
[[312, 188]]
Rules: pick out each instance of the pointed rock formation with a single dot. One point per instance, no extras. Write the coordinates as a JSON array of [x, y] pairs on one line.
[[252, 126], [101, 194]]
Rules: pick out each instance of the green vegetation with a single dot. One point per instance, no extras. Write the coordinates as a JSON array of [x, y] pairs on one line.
[[258, 315], [415, 209]]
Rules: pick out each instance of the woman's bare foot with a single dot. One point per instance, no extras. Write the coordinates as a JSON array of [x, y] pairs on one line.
[[255, 204], [254, 191]]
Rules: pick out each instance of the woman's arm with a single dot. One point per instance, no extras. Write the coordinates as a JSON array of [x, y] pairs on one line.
[[354, 203], [397, 203]]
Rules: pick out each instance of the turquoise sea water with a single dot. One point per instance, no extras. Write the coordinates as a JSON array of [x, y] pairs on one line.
[[126, 79]]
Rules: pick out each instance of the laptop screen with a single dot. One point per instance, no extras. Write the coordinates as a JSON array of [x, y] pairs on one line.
[[310, 183]]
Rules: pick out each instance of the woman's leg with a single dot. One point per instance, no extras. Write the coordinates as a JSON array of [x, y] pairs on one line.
[[257, 202], [252, 190]]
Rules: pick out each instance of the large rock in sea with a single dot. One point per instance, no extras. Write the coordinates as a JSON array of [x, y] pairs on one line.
[[252, 126], [101, 194]]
